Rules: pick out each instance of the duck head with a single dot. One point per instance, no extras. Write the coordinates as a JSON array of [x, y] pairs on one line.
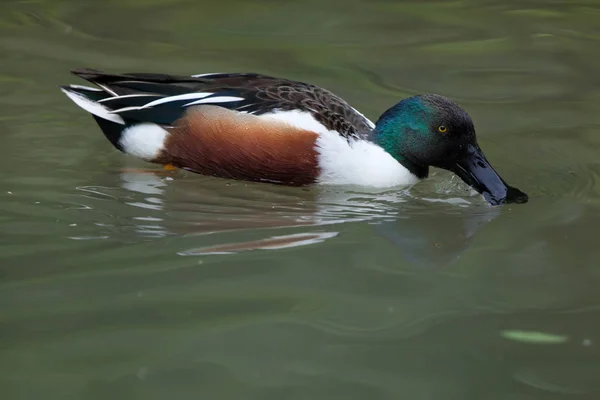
[[432, 130]]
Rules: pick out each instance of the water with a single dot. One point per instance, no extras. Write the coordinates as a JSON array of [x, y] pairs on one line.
[[119, 283]]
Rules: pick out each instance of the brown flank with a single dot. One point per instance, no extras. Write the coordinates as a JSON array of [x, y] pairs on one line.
[[212, 140]]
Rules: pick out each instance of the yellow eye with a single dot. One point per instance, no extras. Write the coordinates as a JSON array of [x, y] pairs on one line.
[[442, 128]]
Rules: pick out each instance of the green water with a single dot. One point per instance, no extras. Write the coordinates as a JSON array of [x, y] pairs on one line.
[[121, 284]]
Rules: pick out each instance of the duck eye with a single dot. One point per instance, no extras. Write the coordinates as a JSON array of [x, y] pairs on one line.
[[442, 128]]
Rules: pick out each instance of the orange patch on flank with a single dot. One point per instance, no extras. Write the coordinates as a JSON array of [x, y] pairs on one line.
[[216, 141]]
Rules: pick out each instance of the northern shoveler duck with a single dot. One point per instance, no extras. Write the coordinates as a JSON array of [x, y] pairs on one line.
[[255, 127]]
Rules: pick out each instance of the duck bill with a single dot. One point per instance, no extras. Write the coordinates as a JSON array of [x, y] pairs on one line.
[[476, 171]]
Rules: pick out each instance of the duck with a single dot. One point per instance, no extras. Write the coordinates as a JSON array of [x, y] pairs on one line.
[[255, 127]]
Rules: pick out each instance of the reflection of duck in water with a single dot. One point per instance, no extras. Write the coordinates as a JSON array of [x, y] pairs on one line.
[[261, 128], [437, 237], [425, 232]]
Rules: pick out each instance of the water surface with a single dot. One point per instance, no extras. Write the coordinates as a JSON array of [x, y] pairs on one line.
[[129, 284]]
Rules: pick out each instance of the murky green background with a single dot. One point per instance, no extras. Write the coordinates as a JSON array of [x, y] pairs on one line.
[[117, 283]]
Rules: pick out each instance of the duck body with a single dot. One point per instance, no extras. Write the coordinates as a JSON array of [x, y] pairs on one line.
[[239, 126], [261, 128]]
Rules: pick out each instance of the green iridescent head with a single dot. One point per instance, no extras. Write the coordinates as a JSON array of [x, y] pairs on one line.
[[432, 130]]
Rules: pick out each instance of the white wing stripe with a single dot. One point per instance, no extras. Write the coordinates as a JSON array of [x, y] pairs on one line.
[[221, 99], [90, 89], [120, 110], [367, 120], [209, 74], [93, 107], [125, 97], [107, 89], [186, 96]]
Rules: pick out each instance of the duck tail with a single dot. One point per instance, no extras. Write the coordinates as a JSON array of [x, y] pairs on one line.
[[142, 138], [90, 99]]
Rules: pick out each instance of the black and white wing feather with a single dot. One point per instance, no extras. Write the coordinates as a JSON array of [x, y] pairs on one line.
[[162, 99]]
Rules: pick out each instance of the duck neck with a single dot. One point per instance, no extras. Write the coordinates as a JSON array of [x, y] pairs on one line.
[[392, 142]]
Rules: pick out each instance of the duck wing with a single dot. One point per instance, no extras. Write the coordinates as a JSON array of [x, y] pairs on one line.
[[163, 98]]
